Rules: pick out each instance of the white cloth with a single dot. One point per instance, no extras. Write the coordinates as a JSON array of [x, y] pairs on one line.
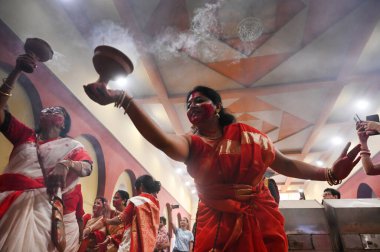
[[26, 224], [72, 232]]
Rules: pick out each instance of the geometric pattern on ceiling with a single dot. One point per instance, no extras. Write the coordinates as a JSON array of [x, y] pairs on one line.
[[295, 82]]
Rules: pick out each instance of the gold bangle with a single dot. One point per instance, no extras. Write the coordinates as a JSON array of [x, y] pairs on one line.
[[5, 94]]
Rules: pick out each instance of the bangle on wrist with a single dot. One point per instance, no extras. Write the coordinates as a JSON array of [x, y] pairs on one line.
[[67, 166], [330, 177], [365, 153]]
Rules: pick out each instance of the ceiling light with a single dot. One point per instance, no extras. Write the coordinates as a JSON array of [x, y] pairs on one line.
[[362, 104], [337, 140]]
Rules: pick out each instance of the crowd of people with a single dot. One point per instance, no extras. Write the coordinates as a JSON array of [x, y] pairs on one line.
[[227, 159]]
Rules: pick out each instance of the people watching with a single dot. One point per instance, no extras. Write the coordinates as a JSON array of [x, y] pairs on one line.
[[364, 130], [184, 238], [42, 162], [331, 193], [163, 242], [92, 238], [227, 161], [140, 217]]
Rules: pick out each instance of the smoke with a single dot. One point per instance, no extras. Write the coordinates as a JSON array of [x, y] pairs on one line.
[[200, 42], [112, 34], [204, 27]]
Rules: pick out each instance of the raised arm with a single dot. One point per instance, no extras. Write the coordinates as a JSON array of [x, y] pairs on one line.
[[298, 169], [175, 146], [364, 130], [7, 86]]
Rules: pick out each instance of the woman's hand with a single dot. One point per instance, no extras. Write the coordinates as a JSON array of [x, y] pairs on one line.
[[25, 61], [362, 134], [99, 93], [346, 161], [371, 127], [57, 178], [86, 232]]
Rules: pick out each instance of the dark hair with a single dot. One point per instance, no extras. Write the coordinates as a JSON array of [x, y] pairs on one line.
[[149, 184], [67, 123], [102, 199], [124, 195], [163, 219], [224, 117], [333, 192]]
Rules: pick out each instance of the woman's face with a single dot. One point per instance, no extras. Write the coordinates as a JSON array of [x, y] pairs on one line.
[[117, 201], [199, 108], [52, 117], [184, 223], [98, 206]]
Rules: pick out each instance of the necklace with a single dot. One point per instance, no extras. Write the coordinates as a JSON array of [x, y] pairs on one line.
[[211, 137]]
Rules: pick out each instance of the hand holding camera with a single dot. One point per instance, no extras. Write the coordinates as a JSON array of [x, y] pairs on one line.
[[371, 126]]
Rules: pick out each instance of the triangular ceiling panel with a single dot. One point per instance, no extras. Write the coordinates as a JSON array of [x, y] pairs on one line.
[[267, 127], [180, 82], [291, 125], [369, 60], [176, 15], [322, 16], [247, 71], [295, 142], [321, 59], [287, 39], [245, 117], [249, 104], [273, 117], [271, 18], [312, 100], [273, 135]]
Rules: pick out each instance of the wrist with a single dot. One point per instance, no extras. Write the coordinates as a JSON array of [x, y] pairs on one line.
[[68, 164]]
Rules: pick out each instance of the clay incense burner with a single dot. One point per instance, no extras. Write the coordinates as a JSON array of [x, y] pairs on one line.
[[110, 63], [39, 49]]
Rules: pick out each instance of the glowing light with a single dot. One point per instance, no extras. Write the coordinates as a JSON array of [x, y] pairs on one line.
[[193, 191], [319, 163], [336, 140], [179, 170], [362, 104], [187, 183]]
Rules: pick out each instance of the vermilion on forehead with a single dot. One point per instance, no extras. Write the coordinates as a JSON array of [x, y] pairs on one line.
[[194, 95]]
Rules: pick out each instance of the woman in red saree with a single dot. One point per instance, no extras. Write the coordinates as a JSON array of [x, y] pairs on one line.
[[227, 160], [93, 237], [141, 217], [115, 232]]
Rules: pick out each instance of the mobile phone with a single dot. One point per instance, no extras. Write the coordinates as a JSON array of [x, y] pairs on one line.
[[374, 118]]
